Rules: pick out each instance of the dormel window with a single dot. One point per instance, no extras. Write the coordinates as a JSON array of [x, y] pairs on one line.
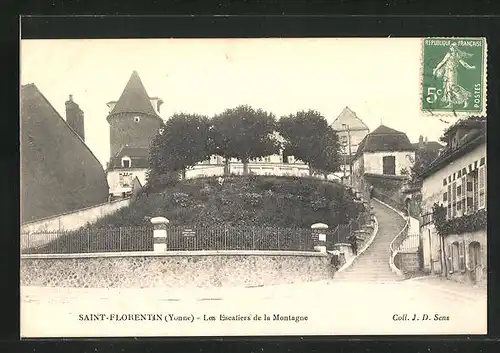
[[126, 162], [137, 119]]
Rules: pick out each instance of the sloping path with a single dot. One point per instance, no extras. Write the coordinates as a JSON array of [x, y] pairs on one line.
[[373, 264]]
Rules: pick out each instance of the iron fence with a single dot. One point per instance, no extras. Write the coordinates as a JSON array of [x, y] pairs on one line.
[[410, 242], [342, 232], [92, 240], [88, 240], [239, 238]]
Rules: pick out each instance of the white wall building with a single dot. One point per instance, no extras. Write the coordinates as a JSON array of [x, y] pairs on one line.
[[456, 180], [351, 130]]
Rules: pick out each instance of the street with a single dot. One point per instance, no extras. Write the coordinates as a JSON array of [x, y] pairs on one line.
[[428, 306]]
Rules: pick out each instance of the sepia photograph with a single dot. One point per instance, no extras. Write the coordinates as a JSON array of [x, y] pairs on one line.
[[253, 187]]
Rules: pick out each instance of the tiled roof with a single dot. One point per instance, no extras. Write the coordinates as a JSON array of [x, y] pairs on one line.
[[348, 117], [429, 146], [134, 98], [133, 152], [470, 141], [138, 157], [385, 139], [59, 173]]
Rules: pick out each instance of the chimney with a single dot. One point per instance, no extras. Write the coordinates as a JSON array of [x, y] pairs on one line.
[[74, 117]]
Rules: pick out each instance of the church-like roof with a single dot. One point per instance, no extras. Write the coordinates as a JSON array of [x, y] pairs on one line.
[[134, 98], [348, 117], [385, 139]]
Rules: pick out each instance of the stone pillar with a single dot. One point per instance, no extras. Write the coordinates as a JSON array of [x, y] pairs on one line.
[[159, 234], [319, 236]]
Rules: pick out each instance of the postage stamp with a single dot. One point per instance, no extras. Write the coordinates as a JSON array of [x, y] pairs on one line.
[[454, 76], [267, 186]]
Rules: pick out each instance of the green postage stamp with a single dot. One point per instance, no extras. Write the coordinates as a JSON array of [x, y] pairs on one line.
[[454, 76]]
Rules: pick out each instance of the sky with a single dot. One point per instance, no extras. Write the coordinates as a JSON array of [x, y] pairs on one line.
[[379, 79]]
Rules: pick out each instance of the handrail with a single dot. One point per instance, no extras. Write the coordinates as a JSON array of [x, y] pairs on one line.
[[397, 237], [395, 250]]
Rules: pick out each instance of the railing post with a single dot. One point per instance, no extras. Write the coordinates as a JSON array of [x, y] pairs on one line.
[[319, 236], [159, 233]]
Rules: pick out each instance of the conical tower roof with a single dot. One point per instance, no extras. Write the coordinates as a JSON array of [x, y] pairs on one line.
[[134, 98]]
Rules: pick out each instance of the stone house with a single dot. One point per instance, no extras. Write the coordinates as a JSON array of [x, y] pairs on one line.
[[383, 160], [456, 180], [59, 173], [351, 130]]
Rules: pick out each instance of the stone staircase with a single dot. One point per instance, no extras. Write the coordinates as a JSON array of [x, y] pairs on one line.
[[373, 264]]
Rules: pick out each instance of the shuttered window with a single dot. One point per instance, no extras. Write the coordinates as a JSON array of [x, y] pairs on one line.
[[482, 187]]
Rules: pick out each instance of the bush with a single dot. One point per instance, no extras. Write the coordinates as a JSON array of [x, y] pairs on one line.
[[243, 200], [459, 225]]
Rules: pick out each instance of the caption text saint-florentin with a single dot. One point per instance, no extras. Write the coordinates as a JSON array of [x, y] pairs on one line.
[[190, 318]]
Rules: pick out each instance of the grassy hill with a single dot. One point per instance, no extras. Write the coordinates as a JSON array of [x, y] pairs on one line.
[[249, 200]]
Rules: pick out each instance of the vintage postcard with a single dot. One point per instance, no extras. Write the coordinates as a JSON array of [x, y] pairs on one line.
[[231, 187]]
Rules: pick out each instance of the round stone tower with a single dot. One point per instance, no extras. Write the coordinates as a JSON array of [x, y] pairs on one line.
[[134, 119]]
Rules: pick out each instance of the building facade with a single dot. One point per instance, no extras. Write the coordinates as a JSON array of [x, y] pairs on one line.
[[383, 160], [270, 165], [133, 120], [350, 130], [59, 173], [456, 180]]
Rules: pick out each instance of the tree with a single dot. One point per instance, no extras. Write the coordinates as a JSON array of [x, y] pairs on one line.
[[423, 158], [245, 134], [310, 139], [183, 141]]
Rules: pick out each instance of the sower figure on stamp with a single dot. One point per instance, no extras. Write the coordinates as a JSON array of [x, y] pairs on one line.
[[447, 69]]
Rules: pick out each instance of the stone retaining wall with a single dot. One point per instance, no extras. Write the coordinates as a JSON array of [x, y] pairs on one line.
[[408, 262], [174, 269]]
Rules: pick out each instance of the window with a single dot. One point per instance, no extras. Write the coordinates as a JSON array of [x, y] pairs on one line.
[[125, 180], [137, 119], [445, 197], [482, 187], [448, 213], [461, 256], [126, 163], [455, 259], [389, 165], [463, 197], [454, 199], [475, 193], [343, 140], [426, 219]]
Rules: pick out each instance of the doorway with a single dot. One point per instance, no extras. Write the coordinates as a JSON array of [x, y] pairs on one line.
[[475, 261]]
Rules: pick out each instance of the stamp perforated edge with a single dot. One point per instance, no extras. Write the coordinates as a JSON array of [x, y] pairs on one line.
[[453, 114]]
